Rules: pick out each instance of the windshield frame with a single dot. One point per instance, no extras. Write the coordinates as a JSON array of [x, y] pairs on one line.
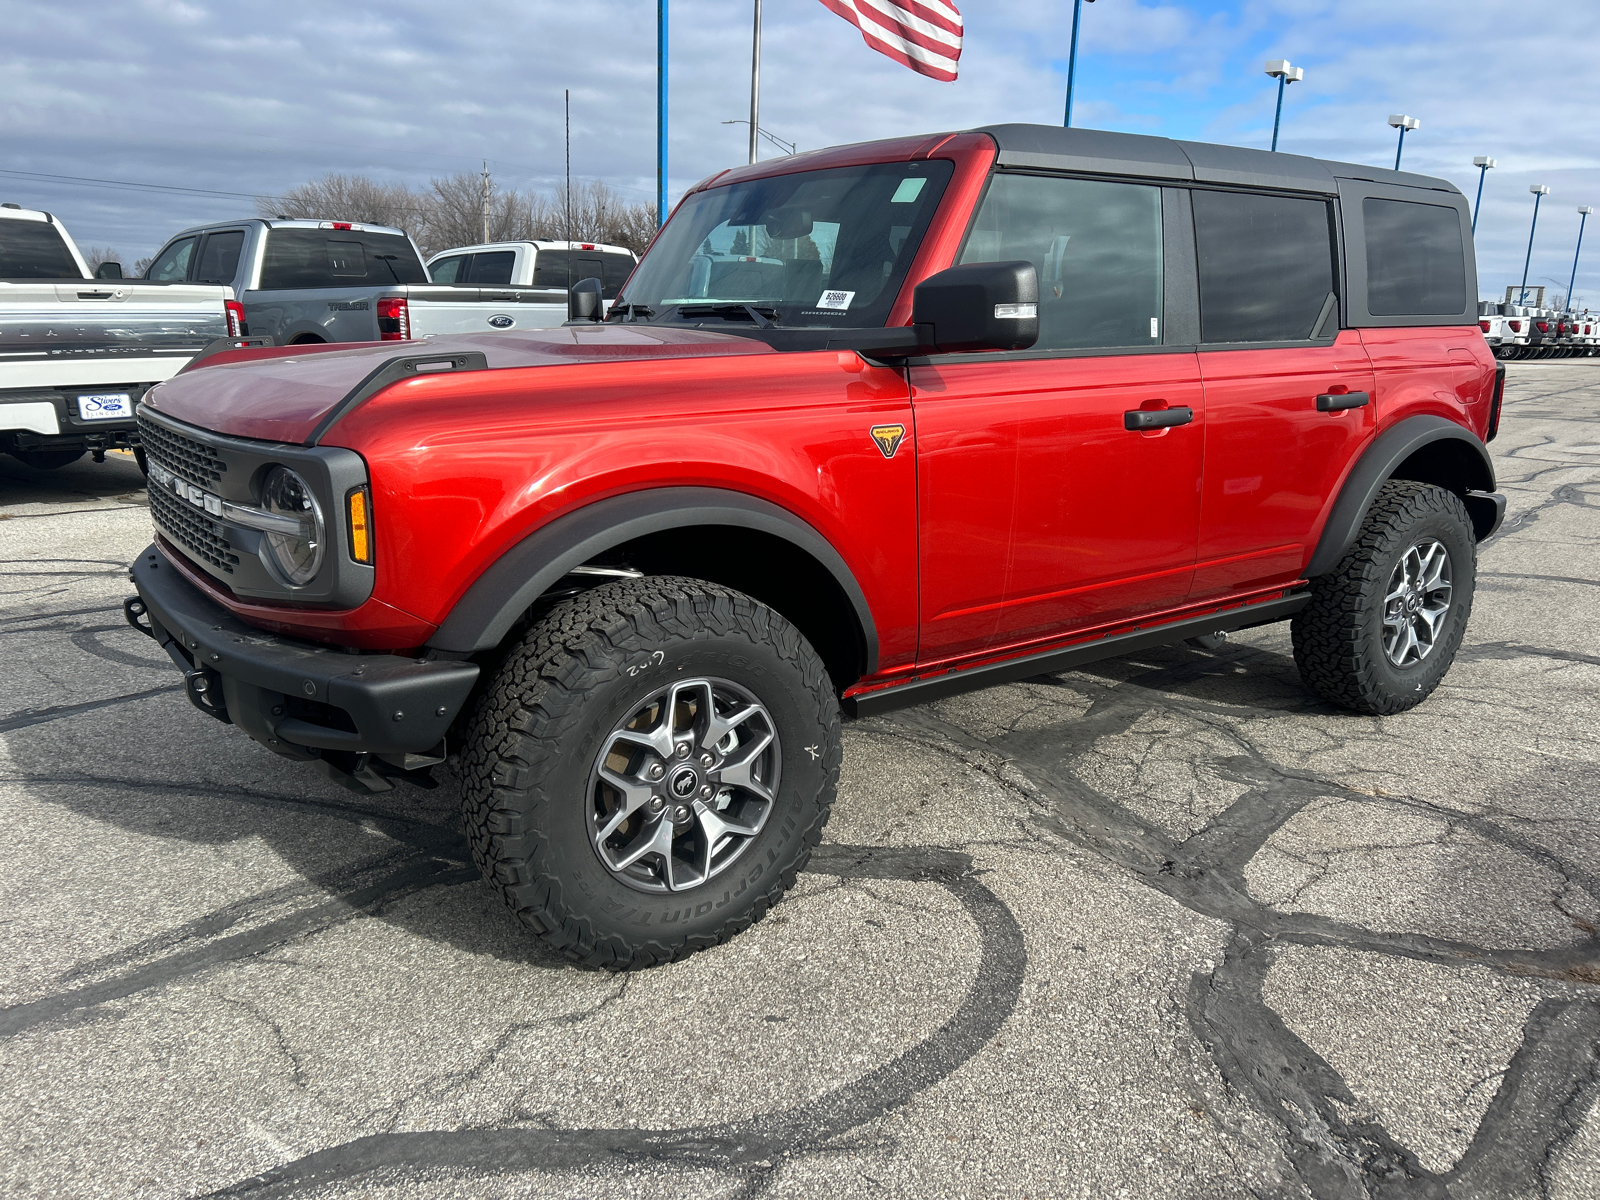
[[715, 209]]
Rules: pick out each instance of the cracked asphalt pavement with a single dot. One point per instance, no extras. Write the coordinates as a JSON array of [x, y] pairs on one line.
[[1166, 927]]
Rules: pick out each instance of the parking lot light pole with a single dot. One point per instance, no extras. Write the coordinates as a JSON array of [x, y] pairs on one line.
[[1280, 70], [1483, 164], [1403, 124], [1539, 193], [1072, 58], [661, 113], [1583, 219]]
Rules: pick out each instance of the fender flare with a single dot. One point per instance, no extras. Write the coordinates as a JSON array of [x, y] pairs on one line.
[[498, 597], [1377, 465]]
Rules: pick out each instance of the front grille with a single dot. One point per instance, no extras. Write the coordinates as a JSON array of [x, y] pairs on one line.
[[192, 529], [194, 461]]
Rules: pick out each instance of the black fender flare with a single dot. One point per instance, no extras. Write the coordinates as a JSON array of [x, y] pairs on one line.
[[498, 598], [1378, 464]]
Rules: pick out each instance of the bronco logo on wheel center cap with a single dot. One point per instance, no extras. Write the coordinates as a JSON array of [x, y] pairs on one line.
[[684, 783]]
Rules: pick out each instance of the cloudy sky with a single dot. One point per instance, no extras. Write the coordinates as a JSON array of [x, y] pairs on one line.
[[246, 100]]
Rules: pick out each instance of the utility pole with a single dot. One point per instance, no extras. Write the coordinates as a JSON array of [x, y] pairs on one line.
[[1540, 191], [1483, 164], [484, 204], [755, 85]]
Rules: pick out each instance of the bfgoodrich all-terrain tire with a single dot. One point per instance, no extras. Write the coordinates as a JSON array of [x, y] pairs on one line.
[[1384, 625], [649, 769]]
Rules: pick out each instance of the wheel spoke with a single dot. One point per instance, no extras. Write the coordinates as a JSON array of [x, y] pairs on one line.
[[656, 839], [658, 740], [719, 727], [740, 772], [714, 827], [705, 708]]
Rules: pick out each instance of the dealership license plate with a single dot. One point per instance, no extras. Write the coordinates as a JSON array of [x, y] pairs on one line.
[[106, 406]]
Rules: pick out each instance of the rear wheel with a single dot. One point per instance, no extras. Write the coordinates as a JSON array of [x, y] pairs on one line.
[[46, 460], [649, 769], [1384, 625]]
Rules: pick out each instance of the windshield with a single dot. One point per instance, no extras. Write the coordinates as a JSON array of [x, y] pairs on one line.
[[817, 249]]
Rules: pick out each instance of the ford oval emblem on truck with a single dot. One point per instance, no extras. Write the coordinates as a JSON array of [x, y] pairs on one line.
[[502, 322]]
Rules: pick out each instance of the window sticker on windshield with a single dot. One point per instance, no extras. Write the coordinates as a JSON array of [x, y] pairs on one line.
[[908, 191], [836, 300]]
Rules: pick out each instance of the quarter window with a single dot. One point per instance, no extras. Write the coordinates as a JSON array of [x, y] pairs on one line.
[[1266, 266], [1096, 246], [1416, 265], [445, 269]]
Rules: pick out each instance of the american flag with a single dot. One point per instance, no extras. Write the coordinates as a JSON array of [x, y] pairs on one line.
[[924, 35]]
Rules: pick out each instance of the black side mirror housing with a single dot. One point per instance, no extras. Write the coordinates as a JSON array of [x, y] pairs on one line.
[[108, 270], [980, 306], [584, 304]]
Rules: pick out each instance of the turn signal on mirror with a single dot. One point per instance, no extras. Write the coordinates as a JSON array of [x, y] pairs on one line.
[[359, 506]]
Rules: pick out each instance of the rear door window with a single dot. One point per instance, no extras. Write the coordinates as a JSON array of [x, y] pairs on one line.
[[173, 263], [310, 258], [219, 260], [1416, 263], [1096, 247], [34, 250], [562, 269], [493, 268], [1266, 266]]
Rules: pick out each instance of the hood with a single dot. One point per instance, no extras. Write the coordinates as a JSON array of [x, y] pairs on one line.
[[281, 394]]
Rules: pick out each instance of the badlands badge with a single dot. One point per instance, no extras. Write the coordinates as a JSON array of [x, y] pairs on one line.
[[888, 438]]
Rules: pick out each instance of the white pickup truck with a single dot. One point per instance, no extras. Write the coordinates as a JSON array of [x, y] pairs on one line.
[[338, 281], [78, 351], [553, 266]]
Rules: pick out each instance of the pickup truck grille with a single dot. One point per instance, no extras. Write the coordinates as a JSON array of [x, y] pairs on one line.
[[192, 529], [184, 457]]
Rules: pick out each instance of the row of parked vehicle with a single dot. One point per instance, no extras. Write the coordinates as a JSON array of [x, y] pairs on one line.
[[1522, 326], [78, 351]]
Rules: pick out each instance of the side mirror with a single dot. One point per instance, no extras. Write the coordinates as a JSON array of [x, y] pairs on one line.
[[108, 270], [980, 306], [584, 302]]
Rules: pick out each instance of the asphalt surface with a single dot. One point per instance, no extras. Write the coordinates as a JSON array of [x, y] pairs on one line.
[[1167, 927]]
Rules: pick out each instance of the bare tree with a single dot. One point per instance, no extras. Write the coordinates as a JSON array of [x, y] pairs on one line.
[[346, 198], [95, 255]]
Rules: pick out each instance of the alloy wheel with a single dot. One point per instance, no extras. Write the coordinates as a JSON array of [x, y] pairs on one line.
[[1417, 603]]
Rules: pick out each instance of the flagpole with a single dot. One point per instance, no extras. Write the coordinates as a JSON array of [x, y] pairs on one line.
[[661, 113], [755, 84]]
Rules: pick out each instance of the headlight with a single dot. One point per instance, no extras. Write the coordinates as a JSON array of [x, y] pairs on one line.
[[294, 556]]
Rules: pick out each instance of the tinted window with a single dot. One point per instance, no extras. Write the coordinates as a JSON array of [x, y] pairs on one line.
[[1416, 266], [822, 249], [556, 268], [493, 268], [1266, 266], [308, 258], [444, 270], [173, 262], [1096, 246], [220, 258], [34, 250]]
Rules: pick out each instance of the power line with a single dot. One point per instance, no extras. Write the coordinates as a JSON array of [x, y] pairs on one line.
[[87, 181]]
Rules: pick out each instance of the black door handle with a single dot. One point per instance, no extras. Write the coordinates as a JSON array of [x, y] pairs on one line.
[[1156, 418], [1330, 403]]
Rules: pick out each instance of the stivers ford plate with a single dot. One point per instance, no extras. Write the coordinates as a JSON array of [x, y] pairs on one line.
[[106, 406]]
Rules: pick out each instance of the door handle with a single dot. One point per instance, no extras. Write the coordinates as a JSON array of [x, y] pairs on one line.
[[1156, 418], [1338, 403]]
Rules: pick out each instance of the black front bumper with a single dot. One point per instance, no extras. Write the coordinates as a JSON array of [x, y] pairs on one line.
[[301, 699]]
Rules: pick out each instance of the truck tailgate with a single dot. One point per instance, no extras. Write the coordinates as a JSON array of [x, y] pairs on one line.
[[444, 309]]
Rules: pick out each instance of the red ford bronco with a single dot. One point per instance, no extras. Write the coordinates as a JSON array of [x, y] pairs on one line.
[[865, 427]]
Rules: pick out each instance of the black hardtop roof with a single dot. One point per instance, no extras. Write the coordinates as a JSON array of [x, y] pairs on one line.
[[1099, 152]]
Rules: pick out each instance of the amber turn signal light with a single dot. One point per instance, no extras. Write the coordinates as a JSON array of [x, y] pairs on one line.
[[359, 506]]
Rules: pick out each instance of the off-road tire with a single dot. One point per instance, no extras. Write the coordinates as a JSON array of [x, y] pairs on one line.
[[1338, 637], [541, 722]]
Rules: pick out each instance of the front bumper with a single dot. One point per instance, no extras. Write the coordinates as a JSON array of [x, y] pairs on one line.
[[303, 700]]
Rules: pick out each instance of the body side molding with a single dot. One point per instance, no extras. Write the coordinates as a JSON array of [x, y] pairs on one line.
[[494, 602], [1379, 462]]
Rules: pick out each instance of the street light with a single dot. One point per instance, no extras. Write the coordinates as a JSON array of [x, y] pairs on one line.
[[1483, 164], [1402, 123], [1072, 58], [786, 147], [1285, 75], [1583, 219], [1539, 193]]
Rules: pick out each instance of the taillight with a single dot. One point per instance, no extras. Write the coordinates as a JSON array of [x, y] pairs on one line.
[[394, 321], [235, 312], [1516, 326], [1544, 326], [341, 225], [1483, 325]]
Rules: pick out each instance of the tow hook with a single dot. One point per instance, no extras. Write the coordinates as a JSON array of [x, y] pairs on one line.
[[204, 688], [133, 609]]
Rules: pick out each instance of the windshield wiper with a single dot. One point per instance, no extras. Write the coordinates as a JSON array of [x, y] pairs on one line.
[[763, 318], [631, 312]]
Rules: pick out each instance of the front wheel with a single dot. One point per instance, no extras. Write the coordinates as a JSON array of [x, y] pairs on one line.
[[1384, 625], [650, 769]]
